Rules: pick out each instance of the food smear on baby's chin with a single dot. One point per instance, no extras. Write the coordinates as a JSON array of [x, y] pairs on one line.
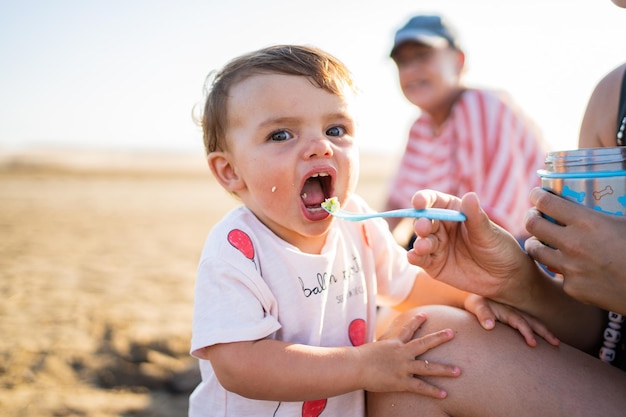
[[331, 205]]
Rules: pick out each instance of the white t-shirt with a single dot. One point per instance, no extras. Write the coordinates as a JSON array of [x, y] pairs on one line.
[[253, 285]]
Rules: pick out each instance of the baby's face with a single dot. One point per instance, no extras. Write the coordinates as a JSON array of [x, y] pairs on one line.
[[292, 144]]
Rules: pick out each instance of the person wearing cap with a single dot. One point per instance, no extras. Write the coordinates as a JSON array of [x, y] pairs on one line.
[[465, 139]]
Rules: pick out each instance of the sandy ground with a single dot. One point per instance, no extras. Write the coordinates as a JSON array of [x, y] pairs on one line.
[[98, 256]]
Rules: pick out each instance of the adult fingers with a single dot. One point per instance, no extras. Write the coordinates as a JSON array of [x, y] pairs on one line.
[[429, 198], [544, 229], [557, 208], [543, 254]]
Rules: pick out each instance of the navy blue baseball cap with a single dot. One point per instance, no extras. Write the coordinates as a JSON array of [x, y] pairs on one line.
[[431, 30]]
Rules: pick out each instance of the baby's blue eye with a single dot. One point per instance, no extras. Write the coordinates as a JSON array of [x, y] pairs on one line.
[[336, 131], [280, 136]]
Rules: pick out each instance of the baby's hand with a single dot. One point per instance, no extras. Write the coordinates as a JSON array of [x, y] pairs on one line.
[[487, 311], [394, 364]]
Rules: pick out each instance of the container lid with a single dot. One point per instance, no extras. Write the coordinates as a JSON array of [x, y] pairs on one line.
[[580, 174], [591, 159]]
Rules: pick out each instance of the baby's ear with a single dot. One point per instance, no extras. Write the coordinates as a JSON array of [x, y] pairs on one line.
[[224, 171]]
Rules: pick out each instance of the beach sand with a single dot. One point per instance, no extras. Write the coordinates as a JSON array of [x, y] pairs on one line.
[[97, 266]]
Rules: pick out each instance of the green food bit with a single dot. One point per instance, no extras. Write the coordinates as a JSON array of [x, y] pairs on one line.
[[331, 205]]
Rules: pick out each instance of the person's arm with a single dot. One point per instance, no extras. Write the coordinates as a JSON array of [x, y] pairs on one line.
[[589, 249], [275, 370], [481, 257], [599, 124]]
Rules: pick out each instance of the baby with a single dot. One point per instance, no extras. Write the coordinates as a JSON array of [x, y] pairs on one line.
[[286, 295]]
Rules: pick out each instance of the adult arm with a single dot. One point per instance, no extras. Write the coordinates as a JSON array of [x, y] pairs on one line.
[[481, 257]]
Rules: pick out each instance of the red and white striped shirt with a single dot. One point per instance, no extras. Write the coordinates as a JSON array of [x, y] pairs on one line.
[[487, 146]]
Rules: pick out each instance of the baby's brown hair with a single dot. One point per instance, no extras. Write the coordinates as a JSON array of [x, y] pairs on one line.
[[324, 71]]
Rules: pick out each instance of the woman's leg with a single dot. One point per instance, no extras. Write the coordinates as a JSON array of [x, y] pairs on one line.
[[502, 376]]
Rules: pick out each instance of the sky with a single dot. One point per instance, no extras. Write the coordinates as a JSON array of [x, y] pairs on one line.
[[127, 75]]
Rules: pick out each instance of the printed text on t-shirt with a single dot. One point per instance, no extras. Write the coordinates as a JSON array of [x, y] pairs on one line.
[[323, 280]]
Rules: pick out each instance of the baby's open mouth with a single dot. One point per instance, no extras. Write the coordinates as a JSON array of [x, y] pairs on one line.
[[316, 189]]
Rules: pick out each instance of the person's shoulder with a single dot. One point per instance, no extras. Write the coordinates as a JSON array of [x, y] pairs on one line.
[[598, 126], [239, 218], [492, 102], [232, 215], [494, 95], [611, 83], [486, 97], [241, 230]]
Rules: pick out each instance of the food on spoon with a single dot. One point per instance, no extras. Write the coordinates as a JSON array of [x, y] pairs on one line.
[[331, 205]]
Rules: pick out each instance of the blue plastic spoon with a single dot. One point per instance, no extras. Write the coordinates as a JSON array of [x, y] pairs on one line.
[[429, 213]]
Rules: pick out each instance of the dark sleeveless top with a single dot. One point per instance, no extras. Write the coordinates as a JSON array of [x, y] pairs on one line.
[[614, 334], [621, 115]]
